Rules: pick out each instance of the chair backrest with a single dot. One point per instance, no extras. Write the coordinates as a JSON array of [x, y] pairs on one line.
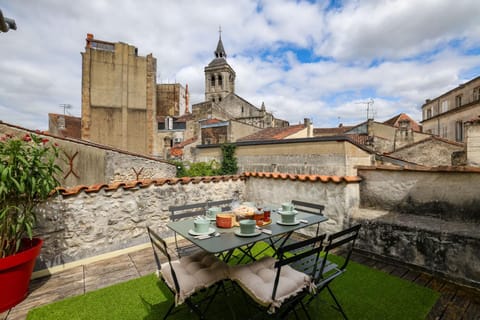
[[345, 239], [197, 209], [226, 205], [303, 256], [187, 211], [308, 207], [159, 245]]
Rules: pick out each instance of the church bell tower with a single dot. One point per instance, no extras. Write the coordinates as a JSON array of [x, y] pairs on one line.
[[219, 76]]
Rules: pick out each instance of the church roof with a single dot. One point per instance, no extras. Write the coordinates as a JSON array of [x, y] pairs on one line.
[[220, 52], [220, 55]]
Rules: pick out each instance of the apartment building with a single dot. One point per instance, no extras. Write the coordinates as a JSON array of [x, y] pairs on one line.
[[445, 116]]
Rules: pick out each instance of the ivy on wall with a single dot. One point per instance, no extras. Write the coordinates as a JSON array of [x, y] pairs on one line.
[[212, 168]]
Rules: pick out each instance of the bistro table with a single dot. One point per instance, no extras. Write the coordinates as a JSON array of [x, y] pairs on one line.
[[228, 241]]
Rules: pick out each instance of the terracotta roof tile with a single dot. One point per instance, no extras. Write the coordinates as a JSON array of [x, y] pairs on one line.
[[331, 131], [143, 184], [273, 133], [304, 177]]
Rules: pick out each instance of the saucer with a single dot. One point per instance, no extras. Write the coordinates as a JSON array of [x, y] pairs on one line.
[[194, 233], [289, 223], [240, 234], [293, 211], [211, 218]]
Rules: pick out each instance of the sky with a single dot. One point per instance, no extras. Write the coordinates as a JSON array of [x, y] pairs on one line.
[[322, 60]]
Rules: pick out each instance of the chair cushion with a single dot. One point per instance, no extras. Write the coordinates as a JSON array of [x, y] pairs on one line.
[[258, 278], [194, 272]]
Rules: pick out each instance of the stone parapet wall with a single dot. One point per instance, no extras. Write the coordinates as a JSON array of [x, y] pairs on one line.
[[448, 193], [87, 221], [446, 248], [339, 195], [102, 219]]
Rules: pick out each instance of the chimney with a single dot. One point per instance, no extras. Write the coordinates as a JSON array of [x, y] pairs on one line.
[[89, 38], [308, 124]]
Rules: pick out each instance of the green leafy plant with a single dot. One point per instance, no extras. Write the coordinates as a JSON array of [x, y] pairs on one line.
[[28, 173], [229, 161]]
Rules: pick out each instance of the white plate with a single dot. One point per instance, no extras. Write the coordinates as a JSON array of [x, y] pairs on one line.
[[289, 223], [280, 211], [194, 233], [256, 233]]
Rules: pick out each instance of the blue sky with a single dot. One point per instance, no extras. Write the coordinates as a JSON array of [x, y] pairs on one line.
[[317, 59]]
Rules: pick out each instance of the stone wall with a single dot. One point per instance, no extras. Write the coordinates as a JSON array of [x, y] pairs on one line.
[[426, 218], [97, 221], [87, 163], [429, 152], [80, 224], [340, 197], [320, 155]]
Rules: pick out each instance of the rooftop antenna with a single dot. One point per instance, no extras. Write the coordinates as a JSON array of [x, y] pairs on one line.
[[370, 111], [66, 106]]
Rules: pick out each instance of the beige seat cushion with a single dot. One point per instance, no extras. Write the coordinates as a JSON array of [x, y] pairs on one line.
[[258, 278], [194, 272]]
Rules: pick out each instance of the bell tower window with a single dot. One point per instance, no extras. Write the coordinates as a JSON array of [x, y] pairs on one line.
[[220, 81], [212, 81]]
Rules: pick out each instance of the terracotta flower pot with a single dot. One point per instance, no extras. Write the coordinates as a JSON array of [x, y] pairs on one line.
[[15, 273]]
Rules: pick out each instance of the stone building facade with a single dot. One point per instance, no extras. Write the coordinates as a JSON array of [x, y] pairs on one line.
[[446, 115], [118, 96]]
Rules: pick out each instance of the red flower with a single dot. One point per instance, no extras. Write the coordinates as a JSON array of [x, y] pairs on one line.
[[27, 138], [44, 140]]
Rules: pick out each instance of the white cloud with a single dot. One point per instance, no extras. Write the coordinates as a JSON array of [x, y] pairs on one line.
[[409, 41]]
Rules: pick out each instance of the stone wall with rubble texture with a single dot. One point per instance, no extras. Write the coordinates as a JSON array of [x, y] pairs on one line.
[[426, 218], [87, 224], [94, 221]]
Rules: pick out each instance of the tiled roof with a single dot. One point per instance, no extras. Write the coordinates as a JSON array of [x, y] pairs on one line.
[[273, 133], [331, 131], [186, 180], [144, 184], [361, 139], [177, 149], [395, 122], [304, 177]]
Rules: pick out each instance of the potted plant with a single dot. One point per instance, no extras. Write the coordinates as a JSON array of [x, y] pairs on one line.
[[28, 172]]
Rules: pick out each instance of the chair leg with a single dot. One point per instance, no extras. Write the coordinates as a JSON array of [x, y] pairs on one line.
[[195, 309], [169, 310], [337, 303]]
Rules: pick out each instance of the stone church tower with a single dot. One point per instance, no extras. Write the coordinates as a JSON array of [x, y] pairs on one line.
[[219, 76]]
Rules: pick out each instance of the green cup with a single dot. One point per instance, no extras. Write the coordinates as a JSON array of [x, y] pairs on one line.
[[247, 226]]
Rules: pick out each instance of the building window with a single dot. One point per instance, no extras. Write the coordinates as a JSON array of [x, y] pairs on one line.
[[444, 106], [429, 113], [458, 101], [476, 93], [459, 131], [220, 81], [212, 81], [444, 131]]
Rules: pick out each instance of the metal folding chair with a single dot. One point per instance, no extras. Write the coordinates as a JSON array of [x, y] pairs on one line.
[[182, 212], [189, 275], [273, 285], [308, 207], [342, 242]]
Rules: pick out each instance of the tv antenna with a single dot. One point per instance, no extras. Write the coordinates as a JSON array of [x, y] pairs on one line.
[[66, 106], [370, 111]]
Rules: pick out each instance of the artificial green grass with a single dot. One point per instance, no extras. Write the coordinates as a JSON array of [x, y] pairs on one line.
[[364, 293]]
